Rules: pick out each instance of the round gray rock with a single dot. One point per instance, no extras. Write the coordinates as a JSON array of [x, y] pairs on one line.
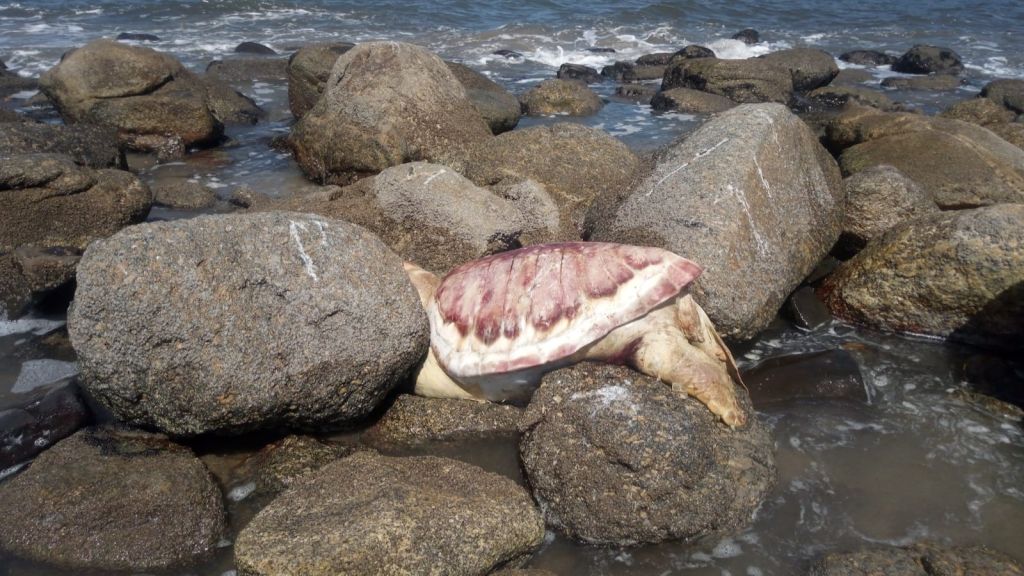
[[109, 499], [183, 194], [691, 101], [958, 275], [925, 59], [231, 323], [1006, 92], [372, 514], [556, 96], [876, 200], [616, 457]]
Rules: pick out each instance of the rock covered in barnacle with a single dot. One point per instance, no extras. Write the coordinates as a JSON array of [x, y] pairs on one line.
[[542, 303], [233, 323], [616, 457]]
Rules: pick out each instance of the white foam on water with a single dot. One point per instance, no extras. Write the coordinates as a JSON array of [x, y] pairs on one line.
[[36, 373], [23, 95], [37, 326], [12, 470], [239, 493], [729, 49], [727, 548]]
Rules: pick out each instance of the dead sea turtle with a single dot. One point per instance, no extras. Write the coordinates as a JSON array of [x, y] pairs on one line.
[[499, 323]]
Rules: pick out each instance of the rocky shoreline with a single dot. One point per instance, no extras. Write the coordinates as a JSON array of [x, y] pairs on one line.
[[801, 191]]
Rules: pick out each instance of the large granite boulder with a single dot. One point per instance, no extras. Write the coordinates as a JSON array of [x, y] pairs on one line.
[[153, 101], [809, 67], [616, 457], [876, 200], [387, 103], [372, 514], [51, 209], [570, 97], [750, 80], [961, 164], [112, 500], [435, 217], [925, 59], [956, 275], [499, 107], [86, 144], [751, 197], [1006, 92], [574, 163], [921, 559], [308, 71], [980, 111], [224, 324]]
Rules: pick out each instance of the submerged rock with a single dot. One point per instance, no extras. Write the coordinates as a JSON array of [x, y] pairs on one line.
[[499, 107], [925, 59], [561, 97], [922, 559], [149, 96], [957, 275], [228, 105], [387, 103], [751, 197], [50, 210], [109, 499], [751, 80], [138, 37], [747, 36], [806, 310], [877, 199], [616, 457], [28, 428], [225, 324], [415, 420], [831, 374], [308, 71], [371, 514], [838, 96], [254, 48]]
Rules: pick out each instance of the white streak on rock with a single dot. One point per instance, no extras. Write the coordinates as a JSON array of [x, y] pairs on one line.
[[762, 244], [307, 262], [696, 157], [764, 181], [434, 175]]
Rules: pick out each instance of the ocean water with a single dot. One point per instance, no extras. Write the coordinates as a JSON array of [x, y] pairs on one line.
[[916, 462]]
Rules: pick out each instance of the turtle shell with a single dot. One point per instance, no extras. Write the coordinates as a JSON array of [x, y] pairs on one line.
[[528, 307]]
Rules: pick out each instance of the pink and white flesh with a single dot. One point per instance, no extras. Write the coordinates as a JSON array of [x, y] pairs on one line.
[[498, 324]]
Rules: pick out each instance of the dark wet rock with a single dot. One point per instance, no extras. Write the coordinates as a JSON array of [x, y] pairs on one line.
[[924, 59], [957, 275], [655, 59], [441, 515], [225, 324], [279, 465], [308, 71], [980, 111], [838, 96], [830, 374], [636, 92], [1008, 93], [415, 420], [747, 36], [757, 211], [852, 77], [750, 80], [806, 310], [694, 51], [809, 67], [616, 457], [87, 145], [435, 217], [254, 48], [631, 72], [598, 50], [50, 210], [691, 101], [922, 559], [11, 83], [110, 499], [510, 54], [388, 103], [138, 37], [930, 83], [148, 96], [561, 97], [574, 163], [499, 107], [579, 72], [960, 164], [993, 406], [228, 105], [31, 426], [242, 72], [877, 199], [617, 71], [183, 194], [867, 58]]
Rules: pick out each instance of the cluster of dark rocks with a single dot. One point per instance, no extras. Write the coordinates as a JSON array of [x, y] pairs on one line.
[[297, 313]]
